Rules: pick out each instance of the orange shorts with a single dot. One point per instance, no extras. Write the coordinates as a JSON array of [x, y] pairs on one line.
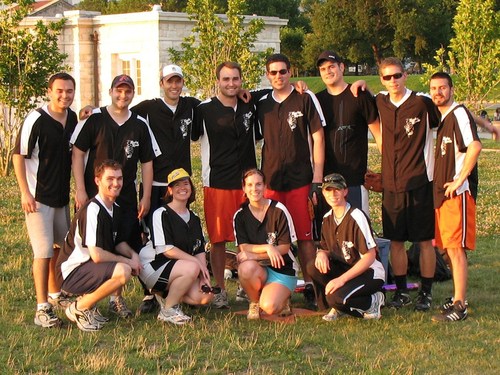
[[456, 223], [220, 206], [296, 202]]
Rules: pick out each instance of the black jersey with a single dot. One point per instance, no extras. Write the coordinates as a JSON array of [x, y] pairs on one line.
[[169, 229], [286, 128], [172, 132], [276, 229], [227, 139], [44, 143], [348, 240], [346, 133], [93, 225], [128, 144], [407, 140], [454, 135]]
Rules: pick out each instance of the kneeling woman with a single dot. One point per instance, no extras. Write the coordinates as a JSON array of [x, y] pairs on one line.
[[174, 265], [264, 233], [347, 276]]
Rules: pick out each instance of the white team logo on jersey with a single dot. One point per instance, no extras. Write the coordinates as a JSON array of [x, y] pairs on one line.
[[444, 142], [272, 238], [129, 148], [410, 125], [185, 126], [292, 118], [346, 249], [246, 121]]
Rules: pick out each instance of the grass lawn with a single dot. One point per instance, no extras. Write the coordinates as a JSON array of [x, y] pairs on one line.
[[402, 342]]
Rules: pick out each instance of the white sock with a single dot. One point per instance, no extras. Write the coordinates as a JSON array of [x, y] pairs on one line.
[[55, 295], [43, 306]]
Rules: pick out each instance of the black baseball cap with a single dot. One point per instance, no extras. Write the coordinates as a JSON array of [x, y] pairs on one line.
[[123, 79], [328, 56]]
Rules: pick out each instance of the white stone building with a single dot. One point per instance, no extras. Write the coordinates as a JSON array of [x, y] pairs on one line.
[[99, 47]]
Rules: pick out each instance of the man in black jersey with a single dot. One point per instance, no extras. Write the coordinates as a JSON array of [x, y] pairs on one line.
[[42, 163]]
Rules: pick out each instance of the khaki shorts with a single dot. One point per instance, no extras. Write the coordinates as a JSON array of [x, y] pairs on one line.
[[47, 227]]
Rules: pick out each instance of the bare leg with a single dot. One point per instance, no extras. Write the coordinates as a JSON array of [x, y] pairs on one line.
[[273, 298], [183, 276], [252, 278], [460, 273], [218, 262], [306, 253], [53, 285], [427, 259], [399, 259], [40, 277]]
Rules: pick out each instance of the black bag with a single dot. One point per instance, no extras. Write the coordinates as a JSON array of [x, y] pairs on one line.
[[442, 273]]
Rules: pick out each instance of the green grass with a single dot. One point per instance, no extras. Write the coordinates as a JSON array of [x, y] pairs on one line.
[[402, 342]]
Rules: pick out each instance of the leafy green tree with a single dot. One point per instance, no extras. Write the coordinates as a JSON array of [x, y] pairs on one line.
[[474, 52], [213, 41], [94, 5], [27, 58], [292, 42]]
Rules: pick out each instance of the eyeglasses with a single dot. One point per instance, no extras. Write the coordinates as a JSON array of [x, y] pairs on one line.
[[395, 76], [207, 289], [274, 72]]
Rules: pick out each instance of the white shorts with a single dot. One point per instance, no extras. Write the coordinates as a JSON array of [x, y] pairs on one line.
[[46, 227]]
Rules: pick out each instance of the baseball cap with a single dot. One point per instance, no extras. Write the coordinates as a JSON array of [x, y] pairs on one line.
[[328, 56], [170, 71], [176, 175], [123, 79], [335, 181]]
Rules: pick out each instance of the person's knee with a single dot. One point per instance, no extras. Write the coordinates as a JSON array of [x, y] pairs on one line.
[[335, 300], [270, 306], [247, 269], [122, 273]]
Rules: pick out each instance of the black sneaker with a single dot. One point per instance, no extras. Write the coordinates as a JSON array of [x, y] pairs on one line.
[[148, 305], [399, 299], [423, 302], [310, 297], [456, 313], [448, 304]]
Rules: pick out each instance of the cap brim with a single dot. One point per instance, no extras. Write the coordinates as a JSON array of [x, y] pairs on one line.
[[168, 76]]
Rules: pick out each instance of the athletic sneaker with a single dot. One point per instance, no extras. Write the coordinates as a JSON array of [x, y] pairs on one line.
[[457, 312], [46, 318], [287, 310], [310, 297], [253, 311], [374, 311], [241, 295], [220, 300], [399, 299], [334, 314], [148, 305], [448, 304], [423, 302], [83, 318], [173, 315], [119, 308], [98, 317], [62, 301]]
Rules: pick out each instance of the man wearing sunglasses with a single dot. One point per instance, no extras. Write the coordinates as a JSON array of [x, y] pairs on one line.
[[292, 154], [407, 119]]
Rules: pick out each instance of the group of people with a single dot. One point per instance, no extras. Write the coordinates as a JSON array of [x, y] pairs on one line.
[[309, 188]]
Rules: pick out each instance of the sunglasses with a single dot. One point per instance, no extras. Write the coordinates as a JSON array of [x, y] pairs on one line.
[[274, 72], [207, 289], [395, 76]]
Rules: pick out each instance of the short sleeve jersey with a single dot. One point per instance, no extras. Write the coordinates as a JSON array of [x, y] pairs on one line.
[[227, 137], [349, 240], [407, 140], [276, 229], [93, 225], [172, 132], [454, 135], [171, 229], [346, 140], [44, 143], [128, 144], [286, 128]]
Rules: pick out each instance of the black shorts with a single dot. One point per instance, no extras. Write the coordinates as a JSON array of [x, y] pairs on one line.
[[87, 277], [409, 215]]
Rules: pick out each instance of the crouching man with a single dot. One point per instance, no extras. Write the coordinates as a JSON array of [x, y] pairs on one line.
[[96, 262]]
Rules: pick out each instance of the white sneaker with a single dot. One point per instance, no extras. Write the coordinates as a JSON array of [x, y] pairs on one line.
[[374, 311], [173, 315], [46, 318], [253, 311], [334, 314], [220, 300], [83, 318], [241, 295]]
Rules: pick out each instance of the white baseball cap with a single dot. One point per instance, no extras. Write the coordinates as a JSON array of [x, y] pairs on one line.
[[170, 71]]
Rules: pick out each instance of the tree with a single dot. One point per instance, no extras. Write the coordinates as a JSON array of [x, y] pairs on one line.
[[27, 58], [214, 40]]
